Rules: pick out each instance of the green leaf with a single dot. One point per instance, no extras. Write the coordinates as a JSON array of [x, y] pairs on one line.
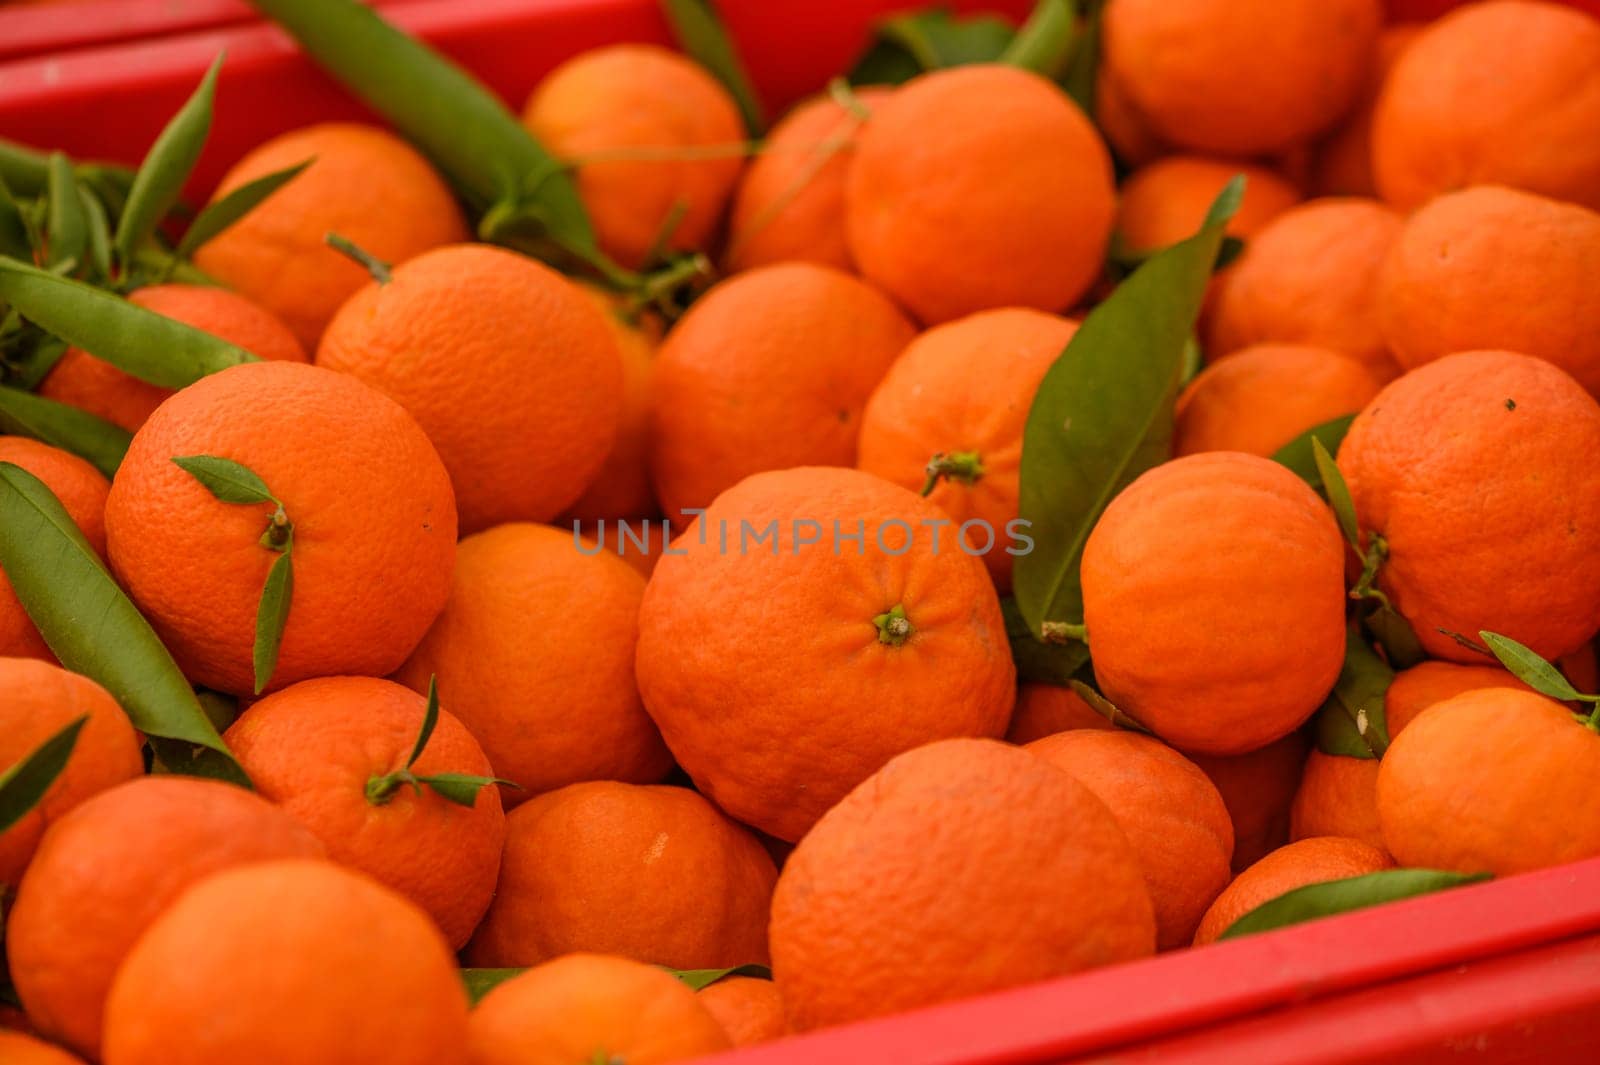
[[24, 784], [700, 979], [460, 788], [68, 428], [908, 45], [1395, 634], [700, 31], [26, 171], [446, 112], [1046, 42], [1352, 722], [1050, 663], [217, 216], [1299, 456], [147, 345], [1079, 80], [1103, 414], [99, 233], [167, 167], [94, 630], [1527, 666], [227, 480], [430, 718], [479, 982], [67, 227], [1344, 508], [16, 236], [1342, 896], [271, 616]]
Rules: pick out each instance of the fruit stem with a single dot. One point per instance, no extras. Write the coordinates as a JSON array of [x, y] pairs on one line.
[[280, 531], [381, 272], [1059, 632], [380, 790], [894, 628], [963, 466]]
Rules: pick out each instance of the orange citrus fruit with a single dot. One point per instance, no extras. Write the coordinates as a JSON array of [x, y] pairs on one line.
[[1309, 861], [1166, 201], [1258, 788], [749, 1009], [1046, 709]]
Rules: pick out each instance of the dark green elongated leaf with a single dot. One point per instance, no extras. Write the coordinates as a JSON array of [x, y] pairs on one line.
[[99, 232], [479, 982], [147, 345], [111, 184], [229, 481], [1079, 80], [700, 31], [459, 124], [1103, 414], [1342, 896], [1527, 666], [700, 979], [24, 784], [26, 171], [430, 718], [1338, 493], [68, 428], [1352, 722], [167, 167], [272, 614], [1050, 663], [16, 238], [1398, 639], [216, 217], [908, 45], [1046, 42], [1298, 455], [94, 630], [67, 226], [460, 788]]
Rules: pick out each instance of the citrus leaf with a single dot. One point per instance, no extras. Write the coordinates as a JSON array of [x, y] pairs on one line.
[[217, 216], [94, 630], [167, 167], [26, 171], [16, 238], [1079, 80], [1046, 42], [700, 31], [147, 345], [1338, 493], [1103, 414], [1352, 721], [227, 480], [99, 232], [1527, 666], [430, 718], [1395, 634], [700, 979], [1050, 663], [460, 788], [67, 227], [24, 784], [271, 616], [1342, 896], [1298, 455], [68, 428], [479, 982], [908, 45]]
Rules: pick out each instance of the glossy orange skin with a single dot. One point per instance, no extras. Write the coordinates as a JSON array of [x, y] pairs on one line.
[[107, 869], [1166, 201], [1308, 861], [1045, 709], [1506, 92], [770, 745], [1213, 592], [1416, 689], [965, 386], [19, 1049], [750, 1010], [790, 202], [1310, 277], [298, 960], [505, 364], [1494, 780], [1493, 267], [98, 387], [978, 187], [38, 700], [82, 490], [366, 184], [656, 874], [534, 654], [1477, 471], [369, 499], [1172, 814], [1340, 164], [583, 1007], [312, 748], [641, 98], [770, 369], [961, 867], [1258, 789], [1241, 79], [1259, 398]]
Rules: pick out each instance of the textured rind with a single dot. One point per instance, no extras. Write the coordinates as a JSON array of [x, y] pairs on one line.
[[508, 367], [373, 514], [1213, 591], [978, 187], [764, 670], [1494, 780], [1167, 200], [1309, 861], [1477, 470], [961, 867]]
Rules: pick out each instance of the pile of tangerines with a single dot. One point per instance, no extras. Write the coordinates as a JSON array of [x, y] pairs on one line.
[[795, 737]]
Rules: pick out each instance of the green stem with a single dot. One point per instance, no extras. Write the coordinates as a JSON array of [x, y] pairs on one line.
[[380, 790], [963, 466], [894, 628], [1060, 632], [381, 271]]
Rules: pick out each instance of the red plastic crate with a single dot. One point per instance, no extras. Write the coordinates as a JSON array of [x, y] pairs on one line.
[[1504, 972]]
